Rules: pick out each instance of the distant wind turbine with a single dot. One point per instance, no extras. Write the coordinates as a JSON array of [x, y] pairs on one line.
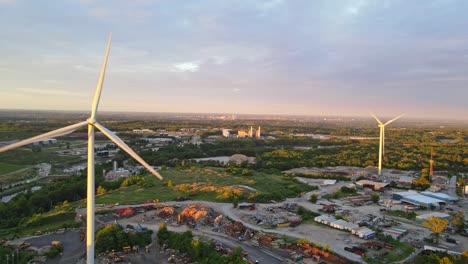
[[92, 123], [382, 139]]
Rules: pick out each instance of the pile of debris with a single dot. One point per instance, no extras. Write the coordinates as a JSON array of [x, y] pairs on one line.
[[167, 212], [125, 212], [310, 251], [114, 257], [266, 240], [197, 213], [277, 216]]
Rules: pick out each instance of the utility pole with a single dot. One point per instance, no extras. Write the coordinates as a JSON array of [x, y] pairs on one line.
[[431, 162]]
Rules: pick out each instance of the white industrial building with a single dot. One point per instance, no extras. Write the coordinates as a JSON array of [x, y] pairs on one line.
[[226, 132], [441, 196], [415, 198], [363, 232], [423, 218]]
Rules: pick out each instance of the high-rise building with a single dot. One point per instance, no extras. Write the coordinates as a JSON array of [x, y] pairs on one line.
[[226, 132], [258, 133]]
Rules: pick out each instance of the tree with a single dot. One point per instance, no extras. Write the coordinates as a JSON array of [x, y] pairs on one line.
[[313, 198], [169, 183], [336, 194], [375, 198], [163, 233], [246, 172], [235, 202], [458, 220], [100, 190], [236, 256], [437, 225], [445, 260]]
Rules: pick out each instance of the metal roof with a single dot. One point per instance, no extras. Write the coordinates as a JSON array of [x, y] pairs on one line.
[[367, 182], [434, 214], [406, 179], [442, 196], [418, 198], [406, 193]]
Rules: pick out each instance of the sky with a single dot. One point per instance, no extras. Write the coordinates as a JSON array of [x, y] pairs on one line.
[[342, 57]]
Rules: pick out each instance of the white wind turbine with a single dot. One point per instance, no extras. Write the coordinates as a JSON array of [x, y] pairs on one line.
[[92, 123], [382, 139]]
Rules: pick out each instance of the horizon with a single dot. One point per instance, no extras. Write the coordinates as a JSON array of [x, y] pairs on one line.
[[268, 57], [405, 119]]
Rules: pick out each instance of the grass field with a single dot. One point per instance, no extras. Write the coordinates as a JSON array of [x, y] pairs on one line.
[[18, 176], [60, 217], [205, 184], [7, 167], [27, 157]]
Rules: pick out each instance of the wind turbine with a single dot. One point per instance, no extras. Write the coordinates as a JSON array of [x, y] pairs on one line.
[[382, 138], [92, 123]]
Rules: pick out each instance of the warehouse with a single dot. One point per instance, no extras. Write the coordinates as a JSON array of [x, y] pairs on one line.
[[423, 218], [376, 186], [415, 198], [395, 233], [363, 232], [343, 225], [325, 219], [441, 196]]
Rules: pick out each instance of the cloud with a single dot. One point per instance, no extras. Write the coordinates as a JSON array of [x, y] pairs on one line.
[[49, 91], [355, 7], [50, 81], [269, 4], [236, 90], [7, 2], [192, 66]]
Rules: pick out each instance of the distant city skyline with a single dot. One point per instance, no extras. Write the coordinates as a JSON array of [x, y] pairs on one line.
[[330, 58]]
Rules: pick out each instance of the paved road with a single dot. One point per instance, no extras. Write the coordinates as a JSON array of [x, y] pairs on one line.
[[255, 253], [73, 248]]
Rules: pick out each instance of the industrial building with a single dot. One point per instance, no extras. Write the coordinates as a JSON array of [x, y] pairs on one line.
[[329, 182], [325, 219], [226, 132], [376, 186], [441, 196], [423, 218], [43, 142], [363, 232], [249, 134], [343, 225], [405, 181], [394, 232], [417, 199]]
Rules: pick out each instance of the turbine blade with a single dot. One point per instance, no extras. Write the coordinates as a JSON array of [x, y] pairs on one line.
[[55, 133], [97, 92], [126, 148], [394, 119], [376, 118]]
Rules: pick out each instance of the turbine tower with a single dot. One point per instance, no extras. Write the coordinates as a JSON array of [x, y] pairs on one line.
[[91, 123], [382, 139]]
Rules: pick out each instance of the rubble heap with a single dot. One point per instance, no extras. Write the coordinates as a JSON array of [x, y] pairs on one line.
[[166, 212], [235, 229], [125, 212], [197, 214], [266, 240]]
